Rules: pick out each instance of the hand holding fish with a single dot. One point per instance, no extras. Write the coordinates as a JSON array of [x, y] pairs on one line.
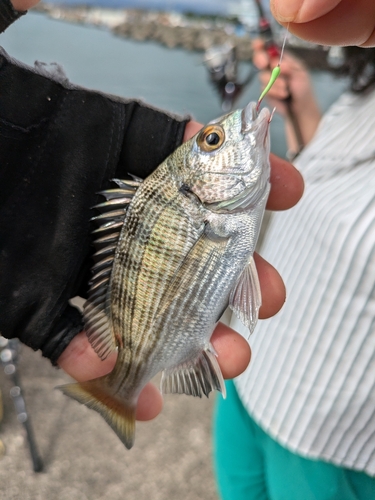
[[328, 22], [82, 363], [80, 360], [172, 251]]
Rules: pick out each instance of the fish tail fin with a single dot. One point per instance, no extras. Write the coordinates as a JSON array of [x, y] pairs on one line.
[[96, 395]]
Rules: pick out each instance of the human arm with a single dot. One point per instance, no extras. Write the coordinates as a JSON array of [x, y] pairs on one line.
[[294, 85], [59, 146], [328, 22]]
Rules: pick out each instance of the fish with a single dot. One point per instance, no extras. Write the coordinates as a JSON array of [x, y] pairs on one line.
[[173, 251]]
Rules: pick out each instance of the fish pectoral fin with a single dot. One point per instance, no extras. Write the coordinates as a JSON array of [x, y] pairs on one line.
[[191, 276], [118, 414], [245, 299], [195, 377]]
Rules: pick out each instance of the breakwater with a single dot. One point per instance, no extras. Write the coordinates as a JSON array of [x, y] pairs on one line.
[[196, 36], [167, 28], [178, 30]]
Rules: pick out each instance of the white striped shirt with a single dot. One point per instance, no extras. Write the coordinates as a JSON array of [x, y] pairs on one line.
[[311, 380]]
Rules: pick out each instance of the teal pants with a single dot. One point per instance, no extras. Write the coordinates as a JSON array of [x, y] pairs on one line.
[[252, 466]]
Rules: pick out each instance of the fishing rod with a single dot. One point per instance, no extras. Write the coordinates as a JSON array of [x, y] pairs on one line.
[[9, 352], [273, 50]]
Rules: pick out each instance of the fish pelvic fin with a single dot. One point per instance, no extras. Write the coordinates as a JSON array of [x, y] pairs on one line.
[[119, 415], [246, 298], [195, 377]]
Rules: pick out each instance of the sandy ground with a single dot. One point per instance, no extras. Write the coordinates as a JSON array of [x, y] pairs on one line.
[[83, 458]]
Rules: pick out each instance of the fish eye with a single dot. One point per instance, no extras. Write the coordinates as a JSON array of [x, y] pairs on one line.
[[211, 138]]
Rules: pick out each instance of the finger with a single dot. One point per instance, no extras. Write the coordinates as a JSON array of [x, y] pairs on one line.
[[22, 5], [280, 93], [233, 351], [279, 89], [80, 361], [286, 184], [302, 10], [258, 44], [264, 78], [191, 129], [261, 59], [233, 357], [329, 22], [150, 403], [272, 288]]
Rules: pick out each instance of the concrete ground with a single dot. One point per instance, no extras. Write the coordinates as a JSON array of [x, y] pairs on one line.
[[83, 458]]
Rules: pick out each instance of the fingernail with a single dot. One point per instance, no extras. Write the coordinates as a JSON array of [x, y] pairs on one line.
[[285, 11]]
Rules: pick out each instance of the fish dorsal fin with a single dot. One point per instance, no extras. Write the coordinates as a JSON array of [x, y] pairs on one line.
[[110, 222], [245, 299], [195, 377]]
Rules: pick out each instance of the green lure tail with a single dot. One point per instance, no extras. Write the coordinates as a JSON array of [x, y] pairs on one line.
[[274, 75], [275, 72]]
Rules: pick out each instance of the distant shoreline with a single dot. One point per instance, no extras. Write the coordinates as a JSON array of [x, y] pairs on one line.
[[169, 29], [192, 33]]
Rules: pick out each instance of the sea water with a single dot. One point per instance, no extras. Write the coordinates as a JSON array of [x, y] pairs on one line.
[[172, 79]]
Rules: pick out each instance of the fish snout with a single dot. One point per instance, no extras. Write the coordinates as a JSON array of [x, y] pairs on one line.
[[255, 123], [248, 117]]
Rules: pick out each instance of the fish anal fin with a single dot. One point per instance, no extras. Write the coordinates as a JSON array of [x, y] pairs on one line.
[[119, 415], [245, 299], [195, 377]]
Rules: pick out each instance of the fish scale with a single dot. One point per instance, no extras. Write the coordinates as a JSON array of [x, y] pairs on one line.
[[182, 253], [148, 261]]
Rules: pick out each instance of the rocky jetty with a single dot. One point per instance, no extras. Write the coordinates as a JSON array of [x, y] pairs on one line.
[[191, 33], [169, 29], [175, 31]]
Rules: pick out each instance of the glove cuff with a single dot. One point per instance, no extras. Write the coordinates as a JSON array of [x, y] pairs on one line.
[[65, 329], [8, 14]]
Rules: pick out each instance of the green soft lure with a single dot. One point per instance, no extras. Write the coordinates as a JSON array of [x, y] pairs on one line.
[[274, 75]]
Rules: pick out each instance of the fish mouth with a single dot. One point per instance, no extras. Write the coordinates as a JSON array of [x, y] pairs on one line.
[[252, 121]]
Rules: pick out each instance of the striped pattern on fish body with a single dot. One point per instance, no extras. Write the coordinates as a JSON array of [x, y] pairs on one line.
[[200, 291], [177, 249], [158, 232]]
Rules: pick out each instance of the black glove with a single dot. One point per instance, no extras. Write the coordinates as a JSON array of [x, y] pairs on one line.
[[60, 145], [8, 14]]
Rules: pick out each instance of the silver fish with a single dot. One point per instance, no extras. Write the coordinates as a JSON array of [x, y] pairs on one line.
[[173, 252]]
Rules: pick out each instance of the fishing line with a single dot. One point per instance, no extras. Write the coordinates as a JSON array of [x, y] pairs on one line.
[[275, 72]]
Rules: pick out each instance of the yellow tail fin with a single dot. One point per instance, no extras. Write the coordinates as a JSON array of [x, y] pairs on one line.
[[117, 414]]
